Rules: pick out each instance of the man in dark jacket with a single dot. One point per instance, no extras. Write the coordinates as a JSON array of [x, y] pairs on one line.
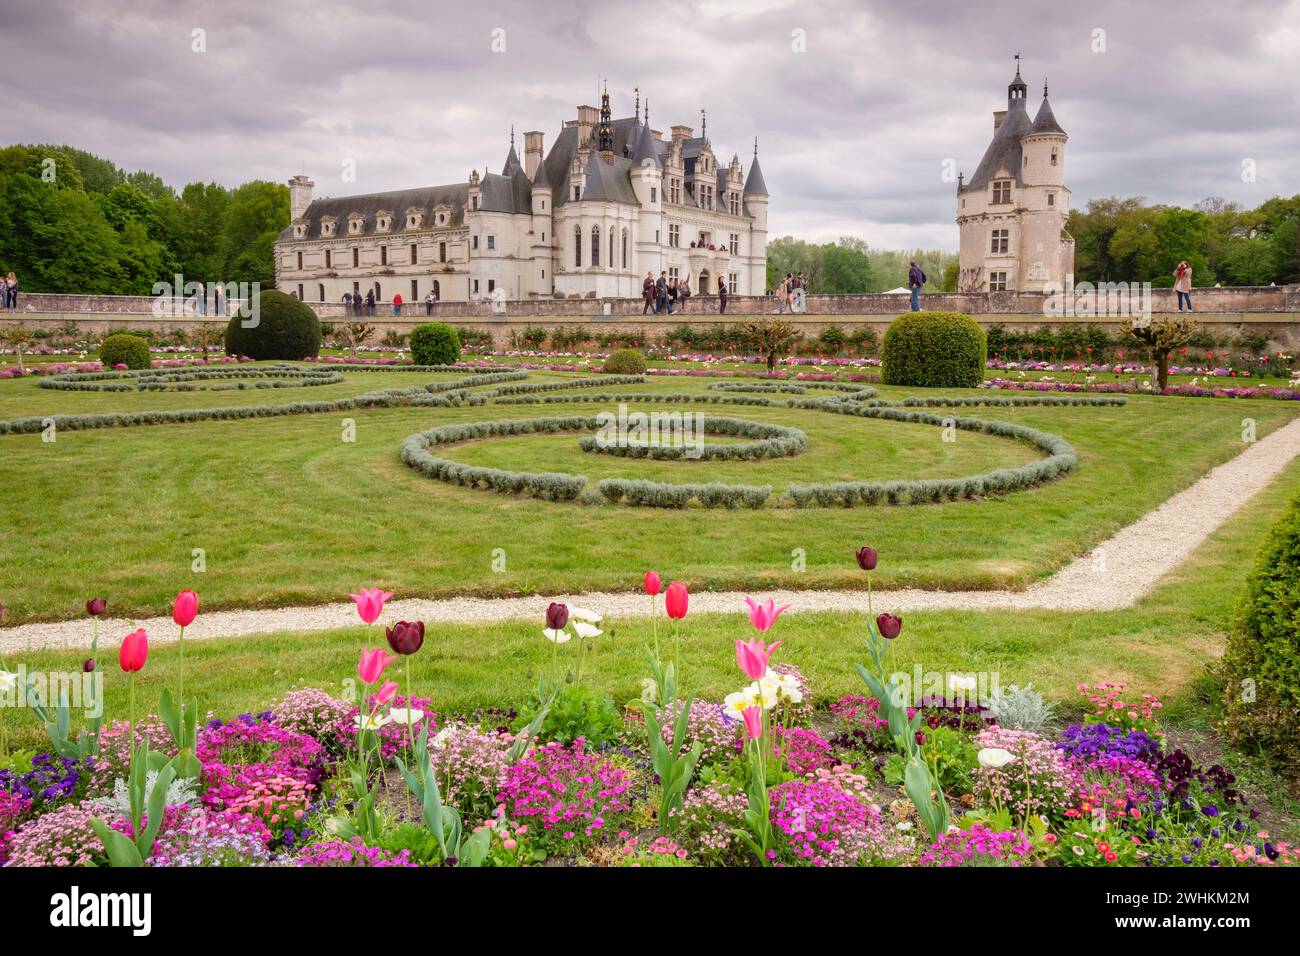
[[648, 292], [661, 293], [722, 295], [915, 279]]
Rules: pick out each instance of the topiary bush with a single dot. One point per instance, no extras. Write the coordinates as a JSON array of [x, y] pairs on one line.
[[934, 350], [434, 343], [284, 328], [121, 349], [625, 362], [1261, 698]]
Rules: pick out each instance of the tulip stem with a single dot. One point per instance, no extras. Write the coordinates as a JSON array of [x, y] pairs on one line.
[[182, 700], [410, 728]]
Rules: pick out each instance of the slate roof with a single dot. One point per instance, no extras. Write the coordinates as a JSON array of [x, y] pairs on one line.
[[1004, 151], [425, 198], [1045, 121], [754, 184]]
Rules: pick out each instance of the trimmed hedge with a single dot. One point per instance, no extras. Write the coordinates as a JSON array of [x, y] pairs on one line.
[[285, 329], [434, 343], [122, 349], [185, 379], [1261, 696], [934, 350], [773, 441], [625, 362]]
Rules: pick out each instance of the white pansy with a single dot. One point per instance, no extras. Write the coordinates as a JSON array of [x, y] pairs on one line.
[[405, 716], [557, 635], [585, 630], [763, 694], [995, 757], [787, 687], [649, 690], [734, 705]]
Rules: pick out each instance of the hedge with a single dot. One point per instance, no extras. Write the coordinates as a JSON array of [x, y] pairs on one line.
[[283, 328], [773, 441], [434, 343], [122, 349], [184, 379], [625, 362], [934, 350]]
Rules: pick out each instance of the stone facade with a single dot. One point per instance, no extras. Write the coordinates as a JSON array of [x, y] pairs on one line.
[[1011, 214], [612, 201]]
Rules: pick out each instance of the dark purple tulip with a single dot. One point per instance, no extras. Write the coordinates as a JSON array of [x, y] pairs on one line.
[[88, 665], [557, 615], [405, 637], [867, 559], [96, 606], [920, 739], [889, 625]]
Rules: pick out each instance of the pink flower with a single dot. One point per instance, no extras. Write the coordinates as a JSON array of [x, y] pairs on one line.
[[753, 721], [386, 693], [185, 608], [134, 651], [370, 603], [651, 583], [372, 665], [676, 600], [763, 616], [752, 657]]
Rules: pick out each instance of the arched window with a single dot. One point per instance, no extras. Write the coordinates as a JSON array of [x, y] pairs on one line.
[[624, 248], [437, 289], [321, 290], [595, 245], [577, 246], [613, 258]]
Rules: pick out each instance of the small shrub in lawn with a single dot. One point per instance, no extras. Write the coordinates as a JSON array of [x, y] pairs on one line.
[[434, 343], [625, 362], [122, 349], [285, 328], [934, 350]]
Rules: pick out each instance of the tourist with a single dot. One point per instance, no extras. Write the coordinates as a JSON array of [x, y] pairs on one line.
[[672, 295], [915, 279], [397, 304], [648, 291], [347, 303], [781, 294], [201, 297], [218, 300], [9, 298], [683, 292], [1182, 284], [800, 293], [661, 293], [428, 303], [370, 302], [722, 295]]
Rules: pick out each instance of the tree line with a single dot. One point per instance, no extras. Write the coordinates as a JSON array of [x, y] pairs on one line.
[[851, 266], [71, 221]]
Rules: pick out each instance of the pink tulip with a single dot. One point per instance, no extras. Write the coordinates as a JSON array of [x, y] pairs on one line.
[[185, 608], [386, 693], [134, 651], [372, 665], [652, 583], [753, 721], [752, 657], [763, 616], [676, 600], [370, 603]]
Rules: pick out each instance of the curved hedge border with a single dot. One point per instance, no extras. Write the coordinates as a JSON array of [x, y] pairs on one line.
[[1026, 401], [773, 441], [597, 381], [653, 494], [182, 379]]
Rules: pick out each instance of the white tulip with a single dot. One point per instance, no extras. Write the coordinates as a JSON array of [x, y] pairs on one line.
[[405, 716], [995, 757], [585, 630], [557, 636], [584, 614]]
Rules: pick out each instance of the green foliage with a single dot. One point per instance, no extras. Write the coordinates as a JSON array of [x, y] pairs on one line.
[[123, 349], [284, 328], [575, 710], [434, 343], [934, 350], [772, 338], [1261, 697], [625, 362], [850, 265], [951, 758]]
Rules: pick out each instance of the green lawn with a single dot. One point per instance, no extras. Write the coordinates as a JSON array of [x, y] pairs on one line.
[[287, 512]]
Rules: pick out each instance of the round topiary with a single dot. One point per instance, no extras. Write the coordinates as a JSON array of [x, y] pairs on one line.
[[434, 343], [282, 328], [121, 349], [934, 350], [1261, 696], [625, 362]]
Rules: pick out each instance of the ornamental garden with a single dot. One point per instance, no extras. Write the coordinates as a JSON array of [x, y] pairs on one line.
[[434, 606]]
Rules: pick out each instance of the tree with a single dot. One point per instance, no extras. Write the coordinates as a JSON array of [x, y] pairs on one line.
[[16, 336], [1162, 336], [257, 212], [770, 337], [845, 269], [209, 335], [354, 334]]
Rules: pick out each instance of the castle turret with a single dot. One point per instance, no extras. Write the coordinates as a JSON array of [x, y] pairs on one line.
[[755, 203]]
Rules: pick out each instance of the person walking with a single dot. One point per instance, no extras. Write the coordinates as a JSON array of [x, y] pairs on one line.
[[648, 292], [397, 304], [683, 292], [801, 294], [428, 302], [1182, 285], [672, 295], [11, 291], [915, 279], [201, 297], [370, 302], [347, 303], [780, 297], [722, 295], [661, 293]]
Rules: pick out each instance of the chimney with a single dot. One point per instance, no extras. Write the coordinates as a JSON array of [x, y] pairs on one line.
[[680, 133], [998, 117], [300, 188], [532, 152], [587, 119]]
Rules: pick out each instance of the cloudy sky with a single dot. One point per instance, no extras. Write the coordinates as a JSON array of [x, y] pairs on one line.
[[858, 105]]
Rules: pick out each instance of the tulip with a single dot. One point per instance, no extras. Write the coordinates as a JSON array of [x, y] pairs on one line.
[[96, 606], [386, 693], [763, 616], [753, 721], [183, 610], [88, 665], [405, 637], [752, 657], [889, 625], [919, 737], [676, 600], [652, 583], [994, 757], [867, 559], [134, 651], [372, 665], [557, 615], [370, 603]]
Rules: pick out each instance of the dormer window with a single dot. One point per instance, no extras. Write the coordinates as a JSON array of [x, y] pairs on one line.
[[328, 225], [577, 193], [1001, 192], [299, 230], [383, 222], [355, 224]]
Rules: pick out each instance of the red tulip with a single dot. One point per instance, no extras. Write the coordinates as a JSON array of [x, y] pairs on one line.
[[889, 625], [88, 665], [370, 603], [652, 583], [372, 665], [752, 657], [185, 608], [867, 559], [676, 600], [134, 651], [386, 693], [405, 637], [919, 737], [96, 606]]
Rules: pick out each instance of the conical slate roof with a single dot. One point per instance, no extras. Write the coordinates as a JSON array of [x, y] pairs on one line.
[[512, 162], [1004, 150], [644, 147], [754, 184], [1045, 121]]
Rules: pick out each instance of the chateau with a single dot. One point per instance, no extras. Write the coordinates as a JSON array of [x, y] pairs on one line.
[[1011, 214], [612, 200]]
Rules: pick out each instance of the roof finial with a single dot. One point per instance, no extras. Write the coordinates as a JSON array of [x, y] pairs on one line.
[[637, 90], [647, 111], [704, 124], [1017, 64], [512, 135], [1044, 87], [756, 147]]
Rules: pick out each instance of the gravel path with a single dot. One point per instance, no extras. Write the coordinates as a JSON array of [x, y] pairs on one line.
[[1119, 572]]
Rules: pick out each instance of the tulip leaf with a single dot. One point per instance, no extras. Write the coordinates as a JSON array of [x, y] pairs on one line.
[[157, 806], [121, 850], [170, 717]]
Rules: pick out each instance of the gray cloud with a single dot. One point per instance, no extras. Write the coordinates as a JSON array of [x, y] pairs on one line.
[[853, 133]]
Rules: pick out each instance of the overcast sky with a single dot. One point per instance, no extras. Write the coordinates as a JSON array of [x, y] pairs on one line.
[[857, 105]]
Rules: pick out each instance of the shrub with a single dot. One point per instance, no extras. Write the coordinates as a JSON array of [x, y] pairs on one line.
[[285, 329], [434, 343], [934, 350], [625, 362], [121, 349], [577, 712], [1264, 650]]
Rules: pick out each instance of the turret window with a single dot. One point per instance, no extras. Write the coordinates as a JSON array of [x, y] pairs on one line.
[[624, 248], [1051, 199], [1001, 192], [1053, 157], [1001, 241]]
